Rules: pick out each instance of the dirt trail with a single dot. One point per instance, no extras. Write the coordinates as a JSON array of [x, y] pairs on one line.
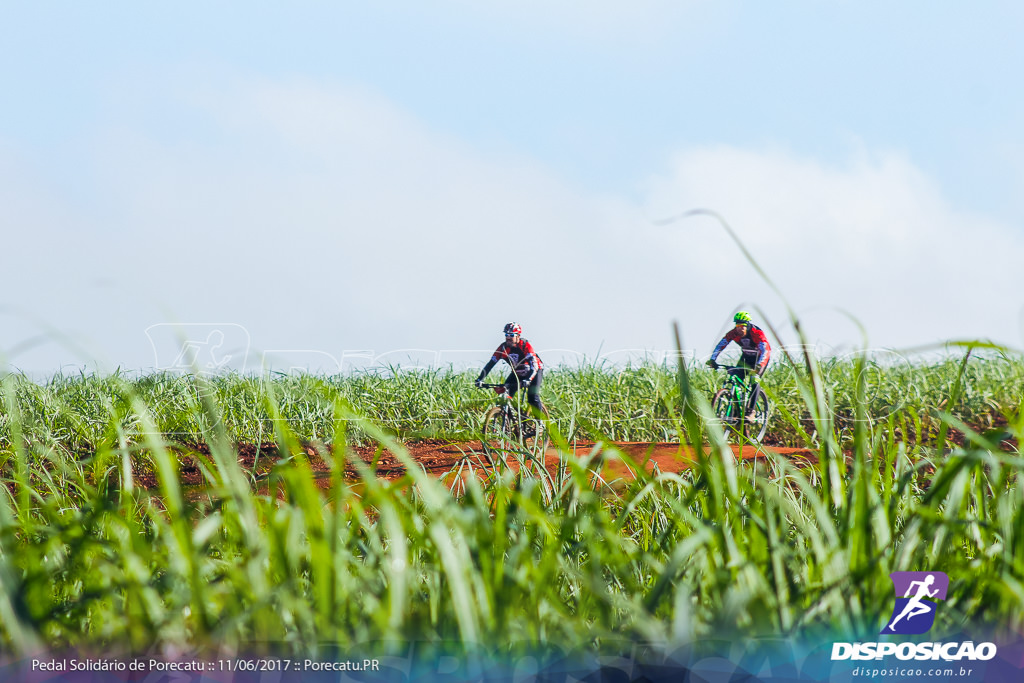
[[669, 457], [438, 457]]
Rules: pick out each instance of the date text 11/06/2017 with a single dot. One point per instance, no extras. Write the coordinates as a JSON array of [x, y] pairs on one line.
[[199, 665]]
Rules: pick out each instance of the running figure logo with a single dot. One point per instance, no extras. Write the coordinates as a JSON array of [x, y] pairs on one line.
[[917, 594]]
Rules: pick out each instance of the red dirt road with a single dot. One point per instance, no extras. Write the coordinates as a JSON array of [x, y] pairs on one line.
[[438, 457]]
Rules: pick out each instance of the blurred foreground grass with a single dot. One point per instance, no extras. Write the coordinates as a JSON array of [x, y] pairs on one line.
[[90, 560]]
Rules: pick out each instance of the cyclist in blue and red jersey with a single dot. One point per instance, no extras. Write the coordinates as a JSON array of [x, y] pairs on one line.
[[527, 368], [756, 352]]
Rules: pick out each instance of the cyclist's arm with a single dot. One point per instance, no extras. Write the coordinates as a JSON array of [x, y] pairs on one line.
[[532, 367], [718, 349], [490, 365], [764, 351], [532, 362]]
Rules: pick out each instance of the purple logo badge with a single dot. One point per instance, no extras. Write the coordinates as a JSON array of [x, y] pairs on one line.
[[917, 594]]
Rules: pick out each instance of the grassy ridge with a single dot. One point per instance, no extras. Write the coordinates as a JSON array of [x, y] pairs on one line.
[[77, 414], [89, 560]]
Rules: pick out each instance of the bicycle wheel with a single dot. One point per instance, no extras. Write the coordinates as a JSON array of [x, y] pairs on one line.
[[757, 425], [530, 453], [727, 406], [534, 433], [498, 433], [506, 432], [723, 406]]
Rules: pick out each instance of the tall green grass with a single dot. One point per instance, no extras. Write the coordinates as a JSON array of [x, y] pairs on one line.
[[77, 413], [90, 560]]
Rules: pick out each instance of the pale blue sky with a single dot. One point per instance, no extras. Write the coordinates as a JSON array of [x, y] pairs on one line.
[[328, 176]]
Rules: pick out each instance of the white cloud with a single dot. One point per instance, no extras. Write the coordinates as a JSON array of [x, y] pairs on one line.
[[874, 237], [327, 219]]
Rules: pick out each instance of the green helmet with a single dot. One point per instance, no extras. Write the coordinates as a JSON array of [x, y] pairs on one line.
[[741, 317]]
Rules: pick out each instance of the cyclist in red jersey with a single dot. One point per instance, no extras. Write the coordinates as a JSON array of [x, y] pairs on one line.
[[756, 352], [527, 368]]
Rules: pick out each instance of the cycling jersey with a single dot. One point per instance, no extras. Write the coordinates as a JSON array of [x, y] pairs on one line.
[[754, 344], [524, 361]]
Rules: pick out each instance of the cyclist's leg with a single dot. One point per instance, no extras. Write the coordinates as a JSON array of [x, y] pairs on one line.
[[750, 377], [755, 391], [533, 393], [755, 384], [511, 384]]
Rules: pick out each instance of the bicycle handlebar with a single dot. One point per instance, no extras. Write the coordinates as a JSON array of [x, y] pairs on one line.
[[490, 386]]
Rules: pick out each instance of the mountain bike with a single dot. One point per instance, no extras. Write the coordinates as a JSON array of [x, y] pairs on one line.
[[510, 436], [509, 427], [730, 406]]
